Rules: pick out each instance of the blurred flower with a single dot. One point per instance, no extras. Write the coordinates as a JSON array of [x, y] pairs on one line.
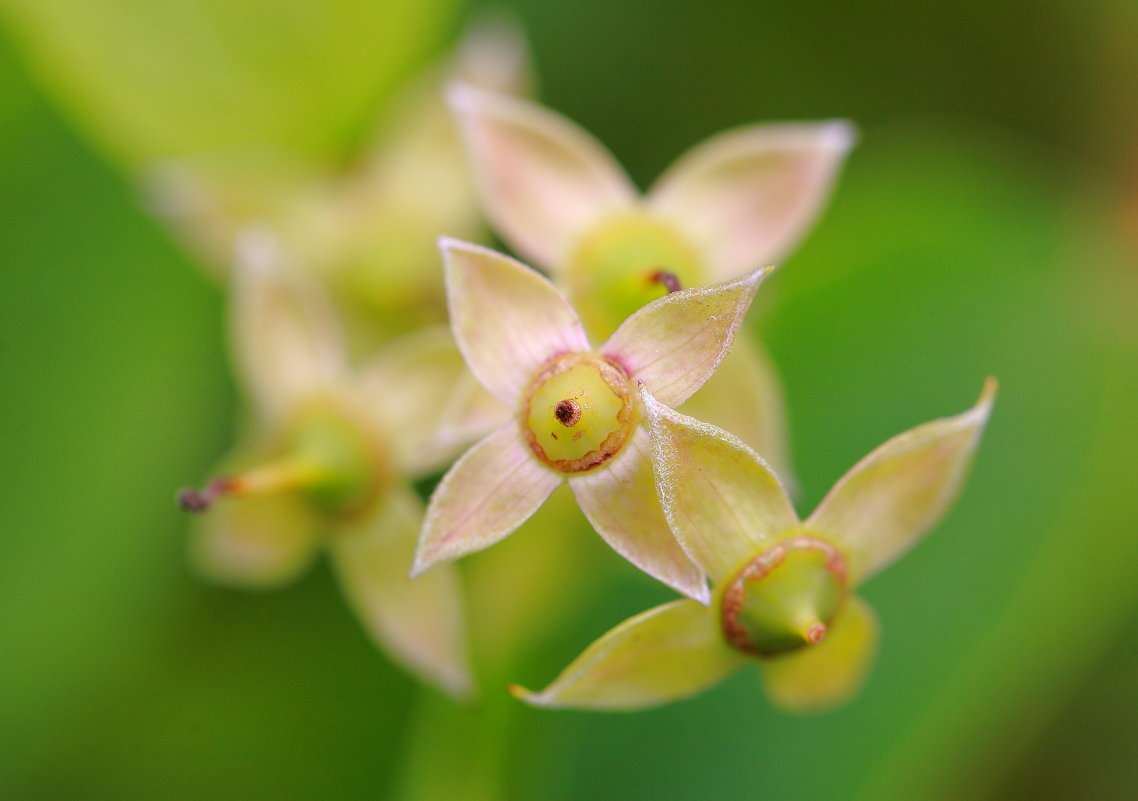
[[740, 200], [368, 229], [577, 413], [784, 589], [327, 460]]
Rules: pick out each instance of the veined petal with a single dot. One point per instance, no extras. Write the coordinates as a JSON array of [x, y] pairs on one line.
[[543, 180], [722, 501], [418, 622], [748, 196], [744, 396], [621, 503], [662, 655], [675, 342], [882, 506], [508, 320], [286, 336], [256, 542], [422, 391], [829, 673], [487, 494]]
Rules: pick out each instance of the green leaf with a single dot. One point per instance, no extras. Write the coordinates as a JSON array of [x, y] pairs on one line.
[[180, 77]]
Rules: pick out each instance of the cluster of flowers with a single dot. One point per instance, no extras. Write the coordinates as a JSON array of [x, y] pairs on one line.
[[577, 380]]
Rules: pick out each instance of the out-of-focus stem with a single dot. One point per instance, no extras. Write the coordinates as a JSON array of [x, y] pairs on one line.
[[518, 592], [458, 752]]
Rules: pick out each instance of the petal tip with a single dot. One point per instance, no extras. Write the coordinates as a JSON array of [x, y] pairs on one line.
[[983, 408], [701, 594], [461, 687], [840, 135], [988, 392], [450, 243], [421, 564], [647, 400], [256, 250], [749, 282], [468, 102], [462, 97], [526, 696]]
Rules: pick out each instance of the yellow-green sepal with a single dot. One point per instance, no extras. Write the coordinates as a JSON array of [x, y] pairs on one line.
[[662, 655], [820, 676]]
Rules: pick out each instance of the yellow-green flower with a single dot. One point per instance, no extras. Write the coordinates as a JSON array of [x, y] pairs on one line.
[[326, 459], [368, 230], [739, 201], [576, 412], [784, 589]]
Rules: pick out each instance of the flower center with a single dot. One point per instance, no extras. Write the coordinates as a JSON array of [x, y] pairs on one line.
[[327, 453], [616, 269], [578, 413], [354, 467], [784, 598]]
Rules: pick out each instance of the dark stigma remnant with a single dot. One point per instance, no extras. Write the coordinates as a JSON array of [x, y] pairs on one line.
[[567, 412]]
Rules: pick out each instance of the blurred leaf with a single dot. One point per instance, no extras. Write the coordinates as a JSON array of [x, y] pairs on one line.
[[112, 351], [174, 78], [121, 677]]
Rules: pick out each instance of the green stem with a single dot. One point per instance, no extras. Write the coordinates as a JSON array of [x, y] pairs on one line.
[[458, 751]]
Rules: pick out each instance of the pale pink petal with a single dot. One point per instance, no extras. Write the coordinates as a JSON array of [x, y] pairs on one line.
[[620, 501], [744, 396], [748, 196], [543, 180], [508, 320], [831, 672], [494, 56], [675, 342], [487, 494], [671, 652], [419, 622], [721, 499], [422, 392], [287, 339], [882, 506], [256, 542]]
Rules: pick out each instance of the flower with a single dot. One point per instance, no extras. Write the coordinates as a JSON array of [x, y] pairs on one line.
[[576, 411], [784, 589], [326, 460], [369, 231], [740, 200]]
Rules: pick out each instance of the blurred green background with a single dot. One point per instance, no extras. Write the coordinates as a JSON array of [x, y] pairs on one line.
[[986, 224]]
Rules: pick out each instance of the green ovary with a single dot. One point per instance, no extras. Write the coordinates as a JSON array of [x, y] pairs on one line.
[[609, 276], [579, 413], [347, 468], [785, 598]]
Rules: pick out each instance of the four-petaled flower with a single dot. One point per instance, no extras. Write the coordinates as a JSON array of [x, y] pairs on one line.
[[784, 588], [327, 459], [741, 200], [577, 415]]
